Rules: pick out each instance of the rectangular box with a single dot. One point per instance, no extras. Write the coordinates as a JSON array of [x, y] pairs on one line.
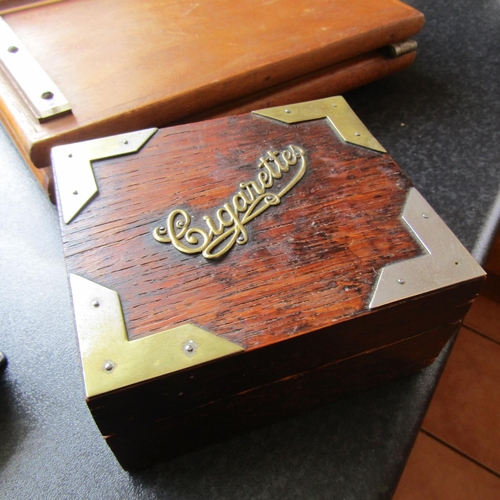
[[116, 66], [230, 273]]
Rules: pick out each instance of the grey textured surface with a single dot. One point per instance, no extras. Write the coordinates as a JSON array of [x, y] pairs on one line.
[[353, 449], [449, 102]]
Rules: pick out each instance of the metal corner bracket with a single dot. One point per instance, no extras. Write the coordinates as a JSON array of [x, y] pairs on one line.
[[37, 89], [110, 361], [336, 110], [72, 166], [446, 261]]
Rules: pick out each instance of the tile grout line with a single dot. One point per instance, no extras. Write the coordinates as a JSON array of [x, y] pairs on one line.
[[485, 335], [470, 459]]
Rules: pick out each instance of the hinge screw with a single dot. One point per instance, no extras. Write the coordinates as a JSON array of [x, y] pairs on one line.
[[96, 303], [401, 281]]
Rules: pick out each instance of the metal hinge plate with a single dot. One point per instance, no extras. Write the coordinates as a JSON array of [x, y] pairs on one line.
[[37, 89]]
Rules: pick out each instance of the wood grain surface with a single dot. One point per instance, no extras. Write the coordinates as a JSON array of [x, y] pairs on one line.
[[327, 82], [142, 64], [310, 261], [8, 6]]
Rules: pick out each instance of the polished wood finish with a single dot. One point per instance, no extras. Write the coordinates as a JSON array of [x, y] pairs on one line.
[[201, 166], [295, 297], [334, 80], [9, 6], [126, 65]]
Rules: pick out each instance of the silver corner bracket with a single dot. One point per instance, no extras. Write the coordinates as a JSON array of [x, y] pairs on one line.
[[446, 261], [73, 169]]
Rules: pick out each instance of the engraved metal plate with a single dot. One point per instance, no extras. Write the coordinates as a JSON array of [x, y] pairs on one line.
[[36, 87], [216, 238], [110, 361], [446, 261]]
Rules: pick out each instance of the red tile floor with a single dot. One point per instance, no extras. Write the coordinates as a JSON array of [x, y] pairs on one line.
[[457, 453]]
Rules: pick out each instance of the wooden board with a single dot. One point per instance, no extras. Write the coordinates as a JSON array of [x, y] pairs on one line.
[[141, 64], [8, 6], [295, 298]]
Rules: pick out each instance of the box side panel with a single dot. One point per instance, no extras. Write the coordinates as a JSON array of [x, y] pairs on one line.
[[225, 418], [118, 411]]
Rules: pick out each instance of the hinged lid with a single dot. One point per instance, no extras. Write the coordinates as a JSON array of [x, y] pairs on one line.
[[235, 234]]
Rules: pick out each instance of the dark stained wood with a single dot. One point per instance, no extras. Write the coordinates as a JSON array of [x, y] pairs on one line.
[[218, 420], [295, 297], [326, 239], [186, 390], [142, 64]]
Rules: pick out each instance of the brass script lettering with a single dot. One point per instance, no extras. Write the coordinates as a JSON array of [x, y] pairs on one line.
[[228, 228]]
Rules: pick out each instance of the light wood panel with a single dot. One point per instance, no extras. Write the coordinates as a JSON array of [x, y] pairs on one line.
[[127, 65]]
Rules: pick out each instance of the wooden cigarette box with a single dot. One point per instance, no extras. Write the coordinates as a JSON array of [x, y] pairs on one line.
[[76, 70], [229, 273]]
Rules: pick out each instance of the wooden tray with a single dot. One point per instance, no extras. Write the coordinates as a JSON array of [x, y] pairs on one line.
[[232, 272], [123, 65]]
